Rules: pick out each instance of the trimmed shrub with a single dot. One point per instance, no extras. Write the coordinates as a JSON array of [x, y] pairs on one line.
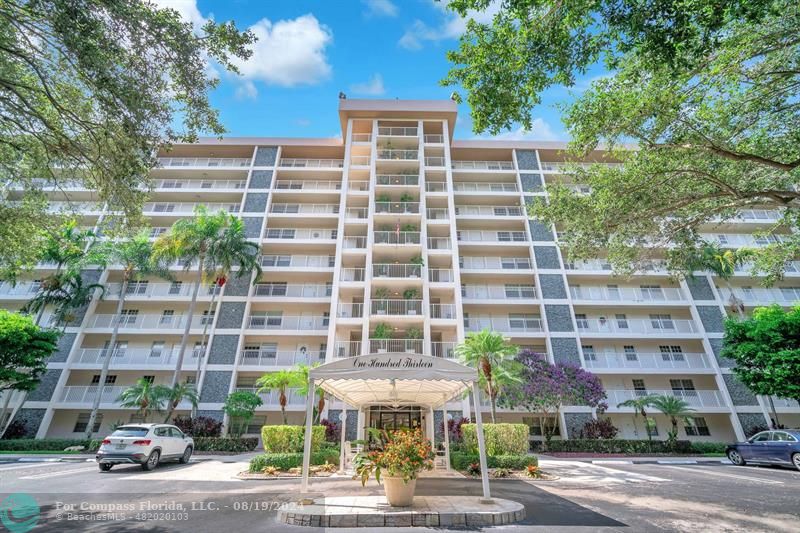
[[199, 426], [709, 447], [31, 445], [618, 446], [461, 461], [501, 439], [225, 444], [285, 461], [289, 439], [333, 430], [601, 428]]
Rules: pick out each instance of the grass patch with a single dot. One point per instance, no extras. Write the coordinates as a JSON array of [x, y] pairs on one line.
[[41, 452]]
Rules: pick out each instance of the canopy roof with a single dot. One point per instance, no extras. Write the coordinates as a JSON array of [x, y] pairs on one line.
[[394, 379]]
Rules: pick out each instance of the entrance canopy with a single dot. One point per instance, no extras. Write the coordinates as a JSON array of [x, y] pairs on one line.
[[395, 379]]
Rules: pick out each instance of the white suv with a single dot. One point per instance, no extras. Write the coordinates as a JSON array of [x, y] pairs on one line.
[[144, 444]]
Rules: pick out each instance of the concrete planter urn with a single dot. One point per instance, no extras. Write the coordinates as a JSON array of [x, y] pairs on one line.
[[399, 493]]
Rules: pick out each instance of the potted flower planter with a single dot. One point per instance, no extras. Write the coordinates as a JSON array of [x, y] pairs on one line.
[[398, 492]]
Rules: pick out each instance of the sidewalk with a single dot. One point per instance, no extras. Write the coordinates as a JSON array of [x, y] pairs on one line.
[[84, 457], [631, 460]]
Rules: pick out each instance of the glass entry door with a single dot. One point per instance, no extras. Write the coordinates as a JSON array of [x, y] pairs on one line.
[[391, 419]]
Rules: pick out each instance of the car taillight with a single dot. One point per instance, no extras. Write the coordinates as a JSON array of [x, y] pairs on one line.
[[106, 441], [141, 442]]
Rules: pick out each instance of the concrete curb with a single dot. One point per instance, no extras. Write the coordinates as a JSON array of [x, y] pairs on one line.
[[653, 462]]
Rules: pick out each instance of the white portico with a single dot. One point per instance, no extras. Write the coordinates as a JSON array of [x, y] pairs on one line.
[[396, 380]]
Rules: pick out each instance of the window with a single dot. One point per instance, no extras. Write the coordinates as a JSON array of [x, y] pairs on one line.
[[534, 424], [697, 427], [613, 292], [167, 317], [630, 353], [199, 349], [588, 352], [524, 321], [622, 321], [191, 379], [582, 321], [722, 239], [255, 424], [639, 388], [137, 287], [149, 379], [110, 379], [276, 260], [660, 321], [208, 318], [682, 387], [782, 437], [128, 317], [520, 291], [157, 349], [671, 353], [175, 288], [652, 292], [161, 432], [83, 421], [764, 436], [119, 349], [164, 208]]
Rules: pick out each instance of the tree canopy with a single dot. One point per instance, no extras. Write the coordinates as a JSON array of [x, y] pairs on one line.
[[24, 349], [766, 349], [706, 90], [90, 90]]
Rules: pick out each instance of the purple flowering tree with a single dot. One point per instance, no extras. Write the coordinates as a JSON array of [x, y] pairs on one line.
[[544, 388]]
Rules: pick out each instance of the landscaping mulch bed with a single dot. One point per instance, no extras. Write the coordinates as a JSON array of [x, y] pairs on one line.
[[280, 475], [595, 455], [518, 474]]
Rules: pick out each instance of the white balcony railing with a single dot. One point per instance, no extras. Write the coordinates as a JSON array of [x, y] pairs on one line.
[[491, 236], [444, 349], [492, 186], [600, 265], [354, 243], [440, 275], [347, 348], [188, 208], [297, 261], [350, 310], [433, 139], [356, 185], [434, 161], [397, 180], [443, 311], [284, 322], [392, 270], [269, 358], [362, 137], [138, 356], [304, 209], [735, 240], [629, 294], [298, 162], [483, 165], [271, 399], [87, 394], [436, 186], [498, 292], [397, 131], [170, 184], [397, 207], [23, 288], [437, 213], [636, 325], [496, 263], [359, 160], [695, 398], [396, 237], [440, 243], [352, 274], [176, 289], [647, 361], [293, 290], [389, 154], [503, 323], [490, 210], [307, 185], [397, 307], [396, 345], [227, 162], [764, 296], [163, 321], [358, 213], [321, 234]]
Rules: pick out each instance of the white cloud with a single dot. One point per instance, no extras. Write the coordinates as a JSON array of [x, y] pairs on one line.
[[380, 8], [246, 91], [289, 52], [450, 27], [302, 122], [373, 87], [186, 8], [540, 131]]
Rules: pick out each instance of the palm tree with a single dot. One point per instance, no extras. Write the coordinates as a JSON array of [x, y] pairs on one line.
[[136, 257], [302, 389], [179, 393], [65, 291], [145, 397], [493, 356], [193, 241], [722, 263], [639, 405], [674, 408], [281, 381]]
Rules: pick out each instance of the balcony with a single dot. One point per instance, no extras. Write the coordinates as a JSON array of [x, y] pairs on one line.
[[695, 398], [350, 310], [489, 211], [74, 207], [598, 265], [358, 186], [491, 236], [188, 208], [495, 263], [311, 163], [433, 139], [758, 215], [393, 270], [736, 240], [304, 209], [204, 162], [357, 213], [297, 261], [468, 186], [439, 243], [401, 208], [321, 234], [397, 180], [359, 160], [307, 185], [396, 345], [437, 213], [291, 290], [396, 237], [563, 166], [444, 349], [639, 326], [395, 155], [147, 289], [498, 292], [647, 361], [160, 322], [483, 165], [271, 399], [138, 357], [764, 296], [436, 186], [362, 137], [441, 275], [409, 307], [288, 323], [87, 394], [354, 243], [24, 289], [199, 184], [397, 132], [352, 274], [504, 324], [627, 294], [347, 349], [273, 358], [434, 161], [443, 311]]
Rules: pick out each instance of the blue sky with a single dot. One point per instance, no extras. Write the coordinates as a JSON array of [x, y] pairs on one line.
[[308, 51]]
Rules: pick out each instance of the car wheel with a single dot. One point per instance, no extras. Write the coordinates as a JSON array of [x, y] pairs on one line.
[[736, 458], [105, 467], [187, 454], [152, 461], [796, 460]]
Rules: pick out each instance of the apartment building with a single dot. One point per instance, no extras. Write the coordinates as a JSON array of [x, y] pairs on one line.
[[397, 238]]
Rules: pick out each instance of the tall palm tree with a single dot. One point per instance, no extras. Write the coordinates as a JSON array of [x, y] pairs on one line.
[[639, 405], [179, 393], [721, 262], [302, 389], [674, 408], [145, 397], [193, 241], [137, 260], [280, 381], [493, 356], [66, 292]]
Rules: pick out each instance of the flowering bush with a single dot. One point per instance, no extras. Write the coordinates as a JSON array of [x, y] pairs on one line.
[[533, 471], [602, 428], [199, 426], [333, 430], [454, 428], [405, 454], [474, 469]]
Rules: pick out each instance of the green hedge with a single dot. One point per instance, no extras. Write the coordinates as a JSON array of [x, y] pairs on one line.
[[30, 445], [460, 461], [289, 439], [225, 444], [618, 446], [285, 461], [708, 447], [501, 439]]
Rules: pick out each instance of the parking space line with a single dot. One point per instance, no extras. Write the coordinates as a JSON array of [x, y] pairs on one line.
[[723, 474], [58, 473]]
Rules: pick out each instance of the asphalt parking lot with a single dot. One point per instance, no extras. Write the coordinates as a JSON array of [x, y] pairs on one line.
[[204, 496]]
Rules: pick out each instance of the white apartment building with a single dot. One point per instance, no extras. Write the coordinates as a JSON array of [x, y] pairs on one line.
[[397, 238]]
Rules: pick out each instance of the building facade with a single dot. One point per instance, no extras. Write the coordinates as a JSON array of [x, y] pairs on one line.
[[396, 239]]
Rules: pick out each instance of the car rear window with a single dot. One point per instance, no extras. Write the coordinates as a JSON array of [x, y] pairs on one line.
[[129, 432]]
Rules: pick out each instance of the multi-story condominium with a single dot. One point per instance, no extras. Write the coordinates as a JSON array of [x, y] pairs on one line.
[[397, 238]]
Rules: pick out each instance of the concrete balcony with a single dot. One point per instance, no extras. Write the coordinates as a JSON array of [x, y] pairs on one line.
[[434, 161], [563, 166], [440, 275], [359, 160], [352, 274], [436, 186], [396, 270], [399, 208], [347, 349], [357, 186], [638, 326], [302, 234], [397, 307], [173, 184], [307, 185], [84, 395], [483, 165], [697, 399], [203, 162], [188, 208], [735, 240], [298, 162], [357, 213], [293, 290], [350, 310], [492, 236], [490, 186], [627, 294], [272, 358], [647, 361], [498, 292], [763, 296], [437, 213], [396, 345], [495, 263], [396, 237], [271, 399], [444, 349], [138, 290], [137, 357], [439, 243], [406, 155], [140, 322], [433, 139], [504, 324], [354, 243], [297, 261], [23, 289], [489, 211], [362, 137], [288, 323], [304, 209], [598, 265], [397, 180], [397, 132], [443, 311]]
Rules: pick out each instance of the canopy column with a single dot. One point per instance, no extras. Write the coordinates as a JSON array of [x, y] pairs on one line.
[[307, 443], [445, 422], [343, 431], [481, 443]]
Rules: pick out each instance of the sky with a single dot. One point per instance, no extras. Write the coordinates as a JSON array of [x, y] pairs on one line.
[[309, 51]]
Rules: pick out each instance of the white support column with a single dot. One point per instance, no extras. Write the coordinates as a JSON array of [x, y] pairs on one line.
[[432, 428], [445, 422], [343, 420], [487, 497], [362, 417], [307, 443]]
